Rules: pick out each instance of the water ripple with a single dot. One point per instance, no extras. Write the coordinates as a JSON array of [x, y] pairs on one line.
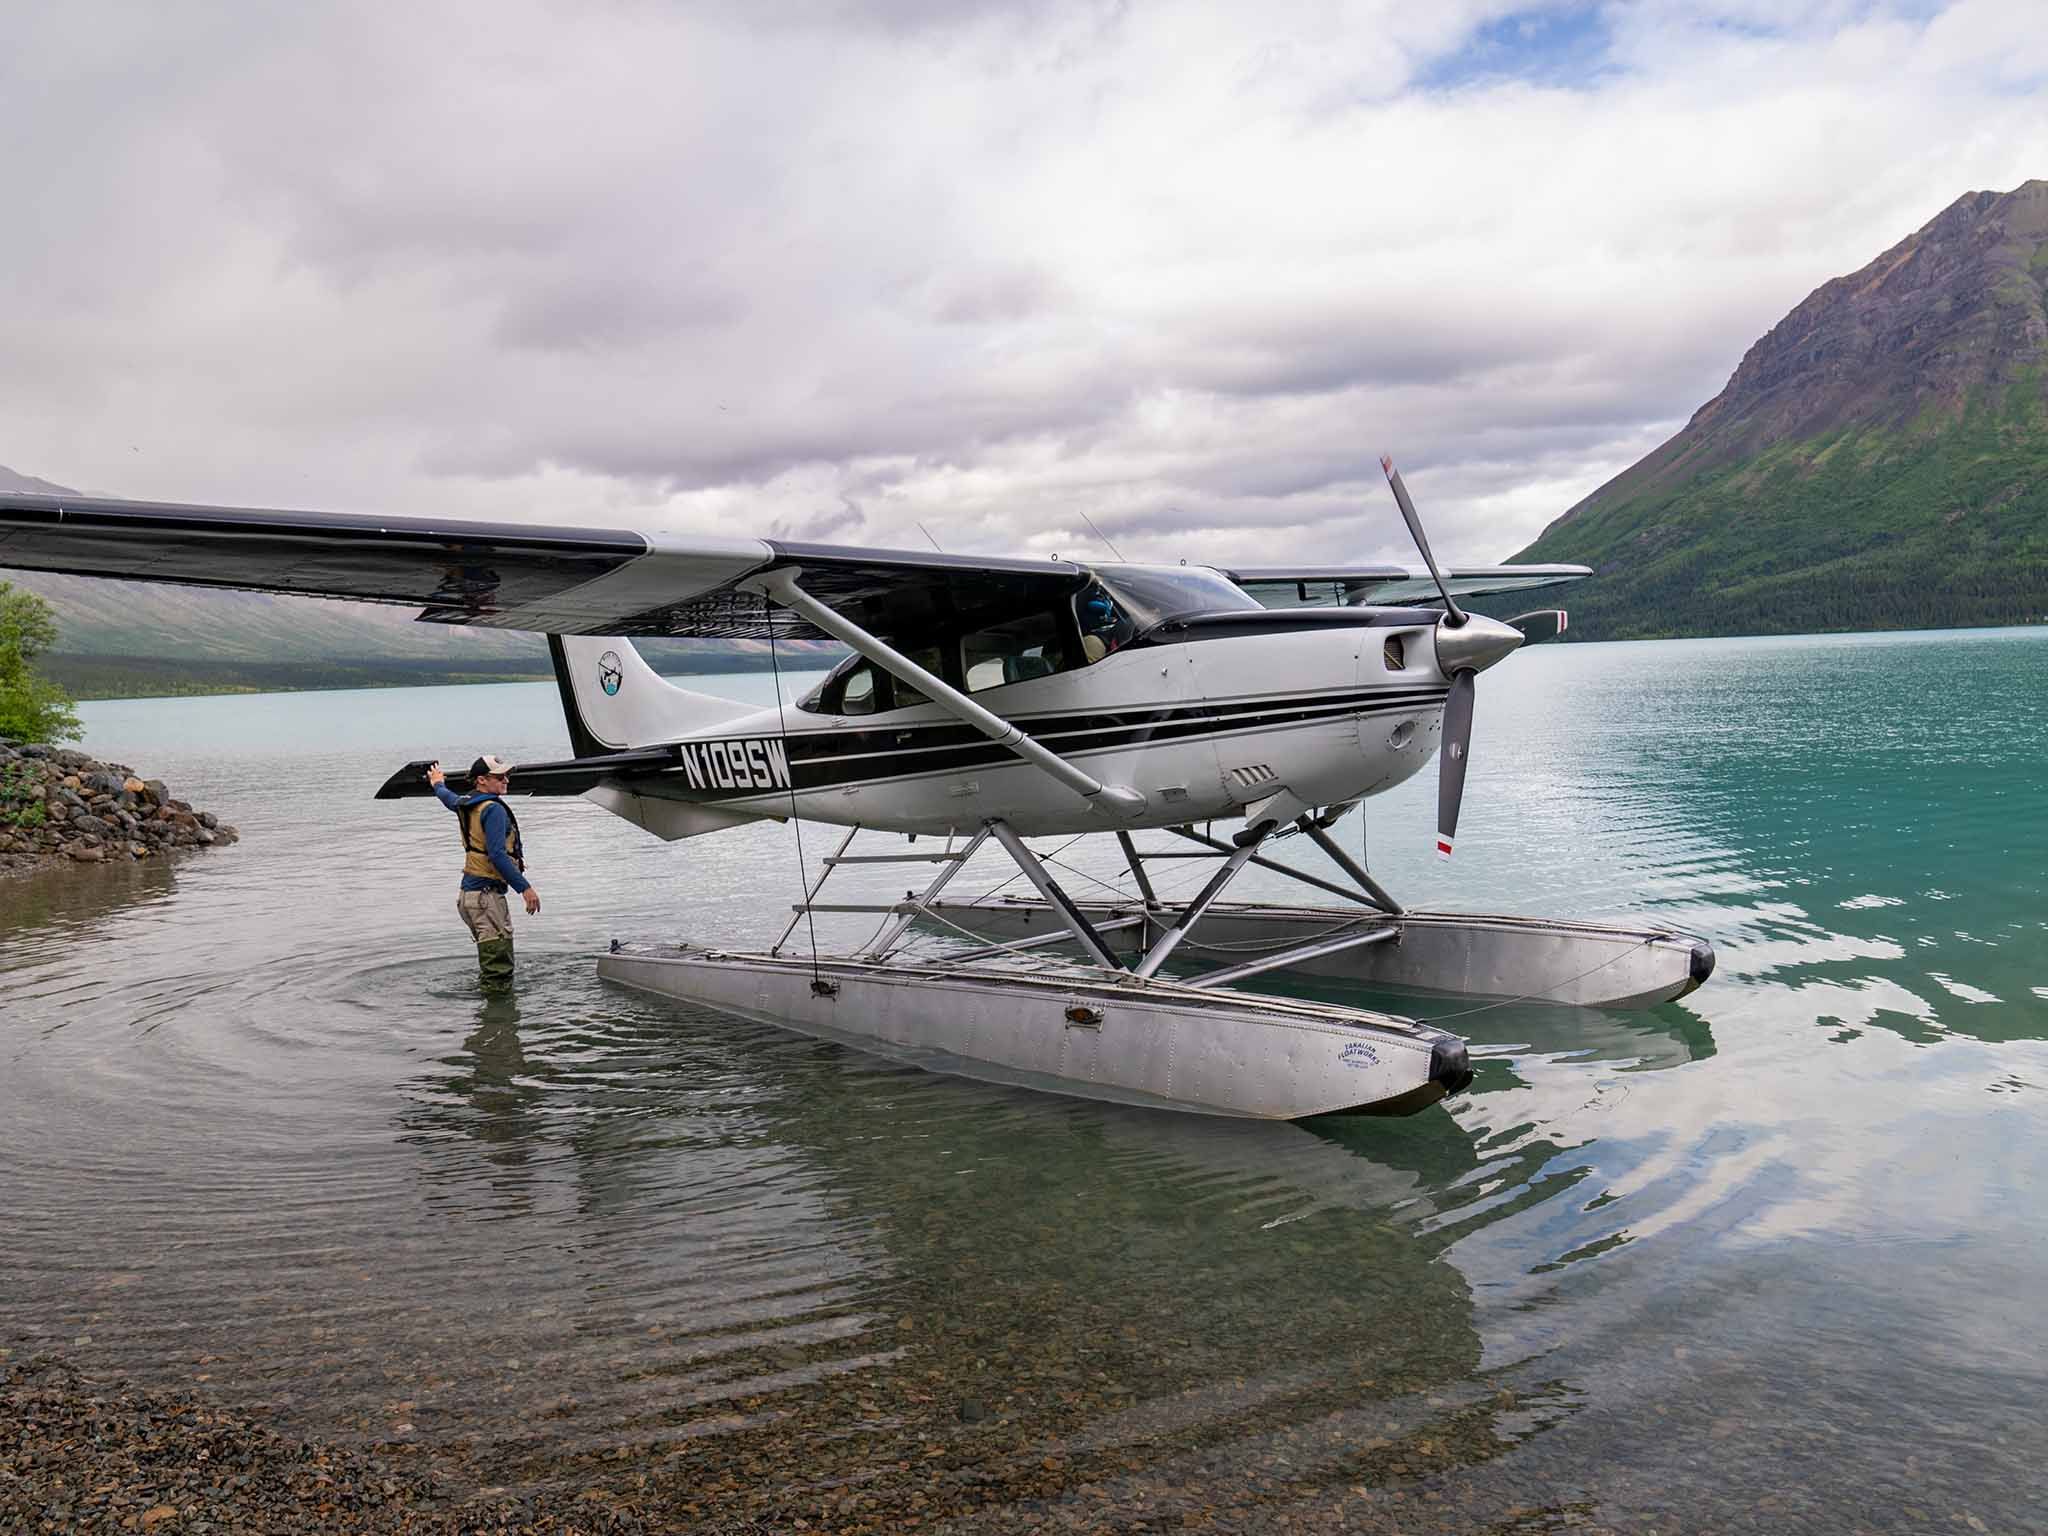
[[266, 1138]]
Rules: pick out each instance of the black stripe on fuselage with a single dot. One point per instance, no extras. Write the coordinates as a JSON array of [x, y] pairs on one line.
[[832, 759], [1130, 724]]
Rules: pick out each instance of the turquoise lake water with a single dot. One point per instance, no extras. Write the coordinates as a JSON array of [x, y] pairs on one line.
[[1772, 1257]]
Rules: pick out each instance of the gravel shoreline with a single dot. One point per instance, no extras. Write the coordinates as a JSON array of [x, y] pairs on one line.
[[78, 1454]]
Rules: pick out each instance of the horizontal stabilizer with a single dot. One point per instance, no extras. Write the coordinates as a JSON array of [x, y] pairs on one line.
[[571, 776]]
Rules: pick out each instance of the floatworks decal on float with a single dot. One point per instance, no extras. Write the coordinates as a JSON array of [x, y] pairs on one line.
[[1359, 1054], [750, 762]]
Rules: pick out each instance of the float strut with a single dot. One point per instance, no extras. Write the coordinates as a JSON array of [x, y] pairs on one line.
[[1296, 955], [1273, 864], [811, 892], [1057, 936], [1137, 863], [947, 871], [1349, 865], [1169, 941], [1091, 941]]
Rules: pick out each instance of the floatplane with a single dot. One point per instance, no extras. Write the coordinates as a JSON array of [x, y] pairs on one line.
[[987, 702]]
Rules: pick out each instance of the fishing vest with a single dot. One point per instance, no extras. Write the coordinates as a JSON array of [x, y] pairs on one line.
[[476, 855]]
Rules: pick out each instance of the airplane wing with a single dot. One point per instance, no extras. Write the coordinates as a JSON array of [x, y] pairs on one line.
[[553, 579], [1390, 585], [560, 579]]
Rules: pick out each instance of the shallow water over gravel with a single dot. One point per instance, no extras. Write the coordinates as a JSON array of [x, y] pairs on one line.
[[1770, 1257]]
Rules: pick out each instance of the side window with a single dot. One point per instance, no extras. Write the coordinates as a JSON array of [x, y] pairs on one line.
[[859, 688], [1014, 653], [857, 693], [1104, 626]]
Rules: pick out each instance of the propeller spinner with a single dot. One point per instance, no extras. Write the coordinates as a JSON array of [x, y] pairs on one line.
[[1466, 645]]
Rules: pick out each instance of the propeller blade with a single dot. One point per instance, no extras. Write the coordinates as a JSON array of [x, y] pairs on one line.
[[1421, 540], [1457, 747]]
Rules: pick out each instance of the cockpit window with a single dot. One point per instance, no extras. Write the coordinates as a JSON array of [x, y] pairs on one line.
[[1152, 594], [1016, 652]]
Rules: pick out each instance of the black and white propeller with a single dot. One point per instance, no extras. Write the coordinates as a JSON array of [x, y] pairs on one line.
[[1466, 645]]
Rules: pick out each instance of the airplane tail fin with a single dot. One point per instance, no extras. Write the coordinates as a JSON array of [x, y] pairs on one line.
[[612, 700], [620, 713]]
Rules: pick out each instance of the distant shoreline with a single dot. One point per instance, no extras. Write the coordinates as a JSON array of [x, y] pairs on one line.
[[156, 677]]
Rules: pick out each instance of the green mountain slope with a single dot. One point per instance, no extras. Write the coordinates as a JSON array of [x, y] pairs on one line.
[[1878, 461]]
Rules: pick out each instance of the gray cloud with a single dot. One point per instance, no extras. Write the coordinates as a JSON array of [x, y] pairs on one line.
[[591, 311], [838, 268]]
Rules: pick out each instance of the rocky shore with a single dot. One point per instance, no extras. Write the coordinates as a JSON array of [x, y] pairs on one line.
[[57, 804]]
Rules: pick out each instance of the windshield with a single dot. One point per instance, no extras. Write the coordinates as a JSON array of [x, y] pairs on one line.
[[1151, 594]]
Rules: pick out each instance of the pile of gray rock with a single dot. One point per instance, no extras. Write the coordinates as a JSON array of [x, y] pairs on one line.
[[59, 804]]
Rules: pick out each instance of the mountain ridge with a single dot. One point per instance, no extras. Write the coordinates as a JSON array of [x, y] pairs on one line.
[[1878, 459]]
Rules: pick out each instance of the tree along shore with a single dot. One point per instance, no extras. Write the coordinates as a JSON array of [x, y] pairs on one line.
[[59, 805]]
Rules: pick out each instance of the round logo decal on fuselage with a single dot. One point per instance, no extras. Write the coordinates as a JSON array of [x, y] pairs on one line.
[[610, 673]]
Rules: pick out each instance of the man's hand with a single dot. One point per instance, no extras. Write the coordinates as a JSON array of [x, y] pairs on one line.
[[532, 901], [435, 776]]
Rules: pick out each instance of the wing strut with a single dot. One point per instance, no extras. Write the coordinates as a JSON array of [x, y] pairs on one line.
[[1119, 802]]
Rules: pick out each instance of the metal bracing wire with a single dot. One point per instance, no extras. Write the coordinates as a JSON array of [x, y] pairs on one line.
[[795, 821]]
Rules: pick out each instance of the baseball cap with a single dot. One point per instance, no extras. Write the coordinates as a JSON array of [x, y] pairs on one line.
[[489, 764]]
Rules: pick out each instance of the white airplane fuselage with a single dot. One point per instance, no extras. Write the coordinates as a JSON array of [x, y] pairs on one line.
[[1203, 728]]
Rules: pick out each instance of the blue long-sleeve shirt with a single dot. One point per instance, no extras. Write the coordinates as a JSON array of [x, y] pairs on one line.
[[494, 840]]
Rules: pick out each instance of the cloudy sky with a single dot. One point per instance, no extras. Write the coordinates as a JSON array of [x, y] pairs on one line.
[[831, 268]]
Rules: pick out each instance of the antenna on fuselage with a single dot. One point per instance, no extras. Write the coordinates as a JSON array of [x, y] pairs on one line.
[[1100, 535], [928, 535]]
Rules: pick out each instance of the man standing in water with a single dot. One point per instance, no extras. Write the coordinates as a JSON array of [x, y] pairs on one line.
[[492, 860]]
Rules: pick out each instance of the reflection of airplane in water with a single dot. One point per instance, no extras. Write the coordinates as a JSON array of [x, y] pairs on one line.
[[821, 1259], [1635, 1040]]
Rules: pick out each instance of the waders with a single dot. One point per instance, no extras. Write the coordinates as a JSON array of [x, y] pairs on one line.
[[494, 964]]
